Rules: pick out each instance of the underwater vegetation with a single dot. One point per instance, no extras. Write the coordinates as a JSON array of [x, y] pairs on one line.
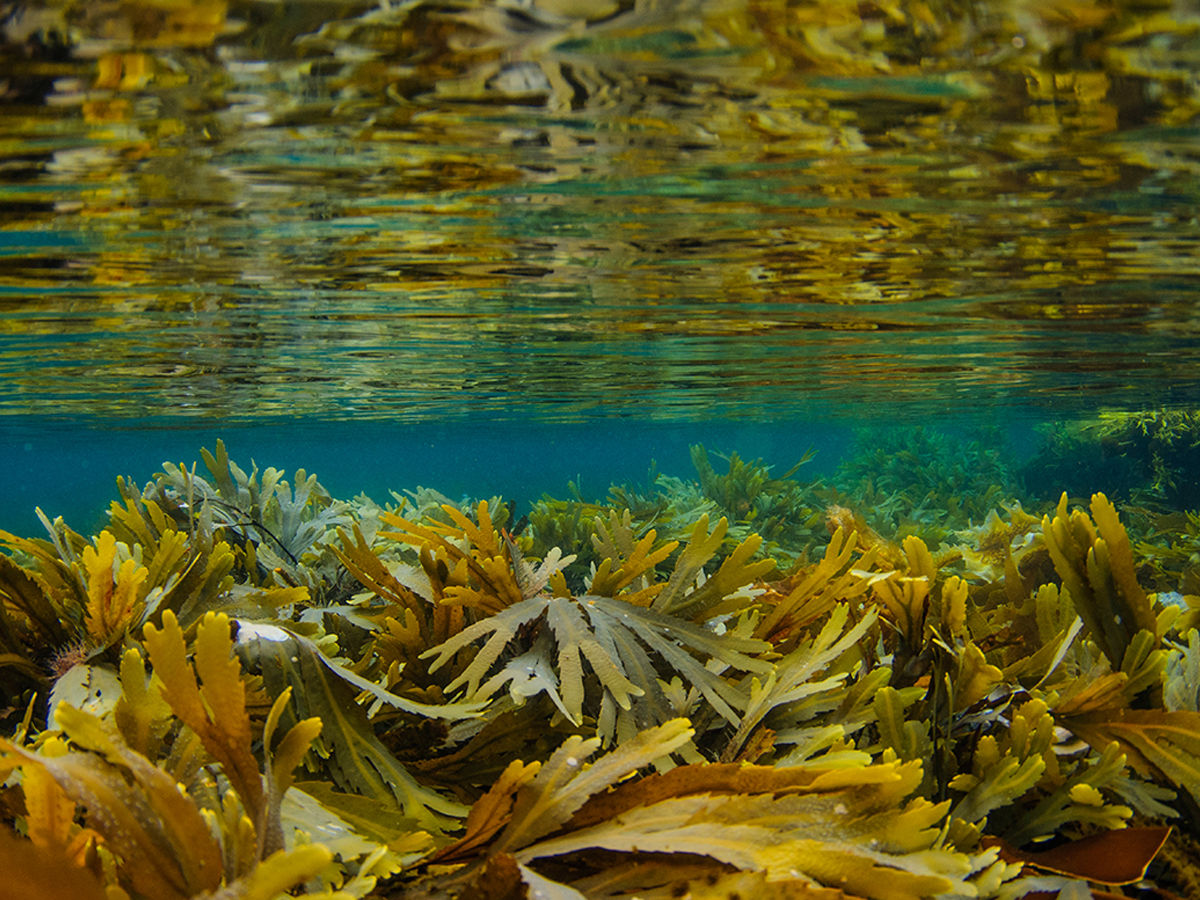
[[1150, 456], [242, 687]]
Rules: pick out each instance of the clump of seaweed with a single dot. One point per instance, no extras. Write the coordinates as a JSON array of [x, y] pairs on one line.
[[1149, 457], [925, 482], [274, 693], [785, 513]]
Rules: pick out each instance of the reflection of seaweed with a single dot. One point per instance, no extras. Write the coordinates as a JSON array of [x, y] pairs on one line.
[[684, 718]]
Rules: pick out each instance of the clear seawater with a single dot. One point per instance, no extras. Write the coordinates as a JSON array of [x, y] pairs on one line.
[[494, 247]]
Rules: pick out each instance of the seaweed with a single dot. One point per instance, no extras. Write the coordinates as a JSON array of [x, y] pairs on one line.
[[618, 628], [1147, 457], [853, 828], [786, 514], [923, 482], [420, 702], [156, 835]]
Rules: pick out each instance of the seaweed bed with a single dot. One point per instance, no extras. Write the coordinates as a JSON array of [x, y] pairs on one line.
[[914, 679]]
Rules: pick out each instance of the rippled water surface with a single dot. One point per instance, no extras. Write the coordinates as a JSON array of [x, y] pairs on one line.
[[572, 212]]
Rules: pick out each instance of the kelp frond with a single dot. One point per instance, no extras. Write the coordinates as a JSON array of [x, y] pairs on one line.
[[215, 708], [357, 759], [603, 652], [280, 528], [471, 563]]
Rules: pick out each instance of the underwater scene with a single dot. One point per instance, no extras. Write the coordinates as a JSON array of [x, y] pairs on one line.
[[558, 449]]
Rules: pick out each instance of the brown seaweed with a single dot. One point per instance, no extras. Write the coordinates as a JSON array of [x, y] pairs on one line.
[[421, 706]]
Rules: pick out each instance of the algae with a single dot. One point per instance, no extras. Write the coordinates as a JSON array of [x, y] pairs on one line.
[[244, 687]]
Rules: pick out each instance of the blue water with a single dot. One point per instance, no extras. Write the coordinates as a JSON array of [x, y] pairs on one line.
[[70, 470]]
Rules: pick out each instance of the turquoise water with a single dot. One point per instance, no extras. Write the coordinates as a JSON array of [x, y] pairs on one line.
[[490, 248], [69, 470]]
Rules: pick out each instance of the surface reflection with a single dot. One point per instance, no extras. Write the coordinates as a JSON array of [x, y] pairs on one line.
[[429, 210]]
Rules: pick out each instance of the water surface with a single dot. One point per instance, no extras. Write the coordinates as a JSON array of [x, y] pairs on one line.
[[298, 219]]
